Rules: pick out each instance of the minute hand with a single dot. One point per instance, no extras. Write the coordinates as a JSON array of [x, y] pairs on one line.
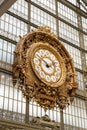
[[43, 60]]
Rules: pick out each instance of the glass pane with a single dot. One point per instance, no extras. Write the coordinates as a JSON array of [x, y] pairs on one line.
[[41, 18], [67, 14], [4, 57], [49, 5], [10, 104], [75, 54], [72, 1], [1, 43], [1, 90], [68, 33], [20, 7], [1, 102], [6, 103]]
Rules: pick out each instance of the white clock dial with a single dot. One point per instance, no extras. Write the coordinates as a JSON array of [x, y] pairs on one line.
[[48, 79], [38, 68], [47, 65], [53, 78], [57, 75], [37, 54], [52, 57], [42, 74], [47, 53], [36, 61], [42, 53], [58, 69], [56, 63]]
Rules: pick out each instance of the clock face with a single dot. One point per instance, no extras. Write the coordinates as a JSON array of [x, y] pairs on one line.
[[47, 64]]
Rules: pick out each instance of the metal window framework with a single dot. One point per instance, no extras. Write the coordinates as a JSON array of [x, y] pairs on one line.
[[79, 28]]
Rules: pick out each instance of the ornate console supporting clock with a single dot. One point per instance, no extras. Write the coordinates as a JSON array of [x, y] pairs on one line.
[[44, 69]]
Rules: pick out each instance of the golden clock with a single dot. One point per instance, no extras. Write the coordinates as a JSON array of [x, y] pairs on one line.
[[47, 64], [44, 70]]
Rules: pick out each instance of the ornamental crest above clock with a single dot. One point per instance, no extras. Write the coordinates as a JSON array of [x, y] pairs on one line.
[[44, 70]]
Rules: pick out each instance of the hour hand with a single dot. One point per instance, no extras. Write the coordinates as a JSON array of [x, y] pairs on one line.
[[47, 65]]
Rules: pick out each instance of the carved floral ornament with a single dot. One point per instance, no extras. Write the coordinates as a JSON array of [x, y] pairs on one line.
[[44, 70]]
